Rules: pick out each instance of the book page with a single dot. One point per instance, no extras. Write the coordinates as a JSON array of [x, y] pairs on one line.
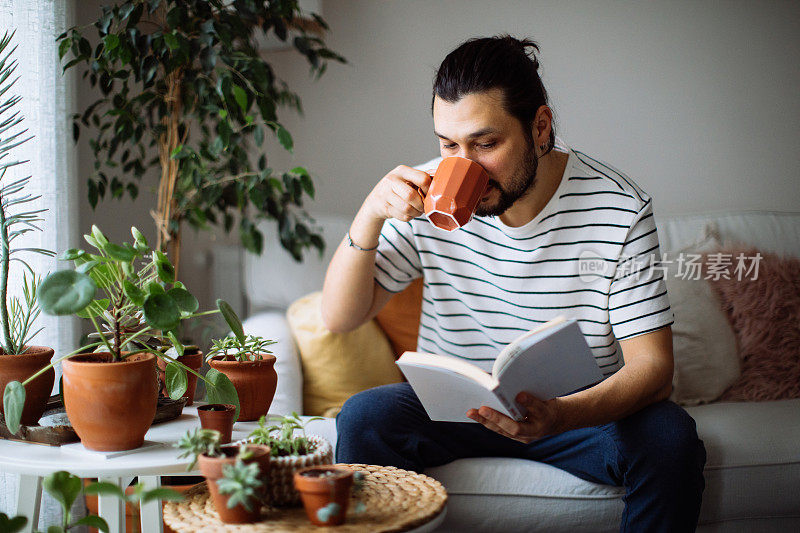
[[523, 341], [452, 364], [447, 395], [556, 364]]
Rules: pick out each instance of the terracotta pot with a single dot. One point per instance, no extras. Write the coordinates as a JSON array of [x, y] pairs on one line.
[[110, 405], [194, 361], [318, 491], [255, 383], [218, 416], [211, 468], [283, 467], [19, 367]]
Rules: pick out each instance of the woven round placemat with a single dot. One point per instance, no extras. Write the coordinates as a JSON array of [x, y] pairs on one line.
[[395, 500]]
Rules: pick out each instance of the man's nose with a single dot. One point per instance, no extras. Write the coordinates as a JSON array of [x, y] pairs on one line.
[[466, 153]]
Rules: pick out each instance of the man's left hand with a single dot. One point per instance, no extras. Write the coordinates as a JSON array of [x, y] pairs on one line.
[[542, 419]]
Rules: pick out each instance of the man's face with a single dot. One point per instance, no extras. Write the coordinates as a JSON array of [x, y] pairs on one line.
[[477, 127]]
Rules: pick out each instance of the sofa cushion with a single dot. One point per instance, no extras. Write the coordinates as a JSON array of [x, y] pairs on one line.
[[706, 361], [753, 464], [762, 301], [337, 365], [399, 319]]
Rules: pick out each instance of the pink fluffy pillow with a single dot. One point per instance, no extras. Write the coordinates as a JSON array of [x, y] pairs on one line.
[[765, 315]]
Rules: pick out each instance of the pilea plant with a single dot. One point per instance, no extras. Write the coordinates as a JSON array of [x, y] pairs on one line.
[[185, 80], [140, 298]]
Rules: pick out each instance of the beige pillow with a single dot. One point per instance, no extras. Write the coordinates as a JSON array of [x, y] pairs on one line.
[[337, 365], [706, 360]]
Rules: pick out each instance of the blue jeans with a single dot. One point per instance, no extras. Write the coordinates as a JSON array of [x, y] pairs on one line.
[[655, 453]]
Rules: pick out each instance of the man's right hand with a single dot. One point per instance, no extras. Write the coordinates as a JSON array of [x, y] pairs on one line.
[[398, 195]]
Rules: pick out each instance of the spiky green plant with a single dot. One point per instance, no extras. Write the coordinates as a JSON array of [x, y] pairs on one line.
[[280, 436], [17, 316], [240, 482]]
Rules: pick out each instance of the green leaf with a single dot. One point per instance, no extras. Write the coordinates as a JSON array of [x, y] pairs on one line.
[[155, 287], [111, 41], [165, 270], [138, 236], [219, 389], [258, 135], [65, 292], [93, 521], [98, 236], [106, 489], [161, 312], [308, 185], [55, 529], [162, 493], [71, 254], [176, 381], [285, 138], [172, 41], [232, 319], [12, 525], [241, 97], [120, 253], [94, 309], [133, 293], [186, 302], [64, 487], [63, 47], [13, 403], [86, 268]]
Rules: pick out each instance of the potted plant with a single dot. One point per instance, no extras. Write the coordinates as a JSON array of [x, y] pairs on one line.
[[110, 394], [249, 365], [218, 416], [290, 453], [192, 358], [18, 360], [235, 474], [325, 491], [186, 78]]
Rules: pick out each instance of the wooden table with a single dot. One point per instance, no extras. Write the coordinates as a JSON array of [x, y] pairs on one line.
[[395, 500]]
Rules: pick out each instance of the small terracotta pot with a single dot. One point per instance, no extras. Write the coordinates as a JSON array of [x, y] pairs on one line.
[[111, 405], [318, 491], [283, 467], [19, 367], [211, 468], [193, 360], [218, 416], [255, 383]]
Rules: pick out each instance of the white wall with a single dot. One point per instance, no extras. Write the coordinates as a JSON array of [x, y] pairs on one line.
[[697, 100]]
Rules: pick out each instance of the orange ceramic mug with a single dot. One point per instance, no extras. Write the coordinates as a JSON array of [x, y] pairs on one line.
[[457, 187]]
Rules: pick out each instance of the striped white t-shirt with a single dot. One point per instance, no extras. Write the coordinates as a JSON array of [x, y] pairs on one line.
[[590, 254]]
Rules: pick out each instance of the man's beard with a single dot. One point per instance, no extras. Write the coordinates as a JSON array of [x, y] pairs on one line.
[[520, 184]]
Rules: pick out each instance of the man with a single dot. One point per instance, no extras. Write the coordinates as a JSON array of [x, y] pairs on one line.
[[515, 265]]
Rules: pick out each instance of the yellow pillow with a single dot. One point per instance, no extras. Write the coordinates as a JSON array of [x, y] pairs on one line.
[[337, 365]]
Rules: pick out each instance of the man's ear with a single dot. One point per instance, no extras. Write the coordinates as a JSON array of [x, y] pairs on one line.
[[541, 126]]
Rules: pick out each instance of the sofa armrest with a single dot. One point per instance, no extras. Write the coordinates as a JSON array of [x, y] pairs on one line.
[[289, 393]]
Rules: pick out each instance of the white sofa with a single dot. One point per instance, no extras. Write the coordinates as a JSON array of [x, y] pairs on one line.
[[753, 468]]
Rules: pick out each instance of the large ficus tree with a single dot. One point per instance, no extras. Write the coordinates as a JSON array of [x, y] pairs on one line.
[[186, 90]]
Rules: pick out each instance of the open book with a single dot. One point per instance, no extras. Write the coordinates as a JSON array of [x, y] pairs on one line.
[[548, 361]]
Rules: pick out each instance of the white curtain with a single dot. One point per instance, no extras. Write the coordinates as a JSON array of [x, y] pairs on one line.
[[46, 106]]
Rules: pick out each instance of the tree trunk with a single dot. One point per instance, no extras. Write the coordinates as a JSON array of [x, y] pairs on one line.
[[166, 214]]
